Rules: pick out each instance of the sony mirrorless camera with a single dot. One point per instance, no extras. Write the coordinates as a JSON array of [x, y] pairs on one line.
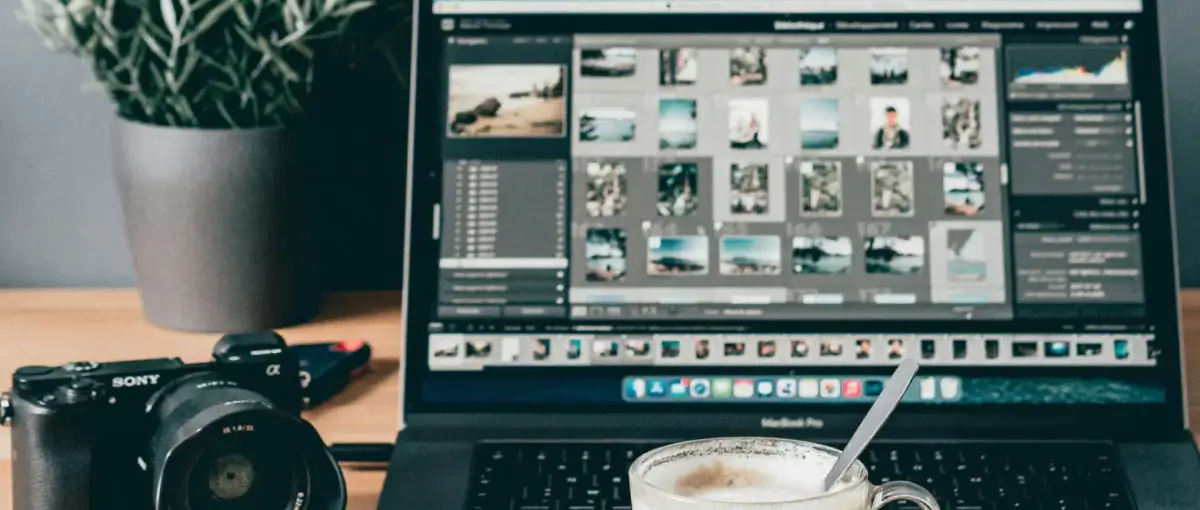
[[162, 434]]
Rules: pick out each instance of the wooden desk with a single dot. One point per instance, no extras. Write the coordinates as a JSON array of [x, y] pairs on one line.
[[51, 327]]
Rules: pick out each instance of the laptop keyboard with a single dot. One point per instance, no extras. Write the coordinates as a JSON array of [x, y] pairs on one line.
[[961, 476]]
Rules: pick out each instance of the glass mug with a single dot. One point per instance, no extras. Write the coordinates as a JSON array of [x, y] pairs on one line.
[[754, 473]]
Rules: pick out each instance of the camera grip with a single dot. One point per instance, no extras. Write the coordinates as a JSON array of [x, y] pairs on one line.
[[52, 449]]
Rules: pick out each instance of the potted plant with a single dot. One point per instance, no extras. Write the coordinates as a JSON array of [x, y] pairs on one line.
[[209, 95]]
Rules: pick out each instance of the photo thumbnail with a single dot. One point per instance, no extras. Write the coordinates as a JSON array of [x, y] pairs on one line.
[[612, 124], [607, 189], [635, 348], [670, 348], [890, 123], [799, 349], [678, 66], [510, 349], [960, 65], [749, 188], [862, 348], [446, 348], [677, 124], [961, 123], [831, 348], [678, 189], [479, 348], [541, 349], [767, 349], [889, 66], [822, 255], [608, 62], [747, 66], [821, 188], [894, 254], [892, 188], [963, 188], [507, 101], [748, 123], [751, 255], [818, 66], [819, 124], [606, 348], [677, 256], [606, 255], [966, 255]]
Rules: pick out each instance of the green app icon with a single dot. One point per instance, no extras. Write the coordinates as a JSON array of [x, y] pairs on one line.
[[722, 388]]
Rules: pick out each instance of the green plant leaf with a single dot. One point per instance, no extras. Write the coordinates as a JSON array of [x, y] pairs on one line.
[[354, 7], [170, 19], [280, 63], [209, 20], [153, 46]]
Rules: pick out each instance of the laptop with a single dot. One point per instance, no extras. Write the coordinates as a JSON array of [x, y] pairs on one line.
[[635, 222]]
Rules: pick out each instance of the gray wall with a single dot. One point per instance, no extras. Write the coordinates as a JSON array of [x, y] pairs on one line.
[[60, 222]]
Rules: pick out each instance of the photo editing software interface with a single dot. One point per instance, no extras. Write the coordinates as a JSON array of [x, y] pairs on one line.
[[759, 208]]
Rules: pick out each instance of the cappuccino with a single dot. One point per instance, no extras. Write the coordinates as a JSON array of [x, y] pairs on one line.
[[735, 474]]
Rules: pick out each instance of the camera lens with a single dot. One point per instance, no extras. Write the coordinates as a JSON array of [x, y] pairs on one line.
[[220, 446]]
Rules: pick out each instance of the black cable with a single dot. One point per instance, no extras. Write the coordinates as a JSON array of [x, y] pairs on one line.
[[371, 453]]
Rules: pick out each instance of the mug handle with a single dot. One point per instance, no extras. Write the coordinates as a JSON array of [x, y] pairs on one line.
[[902, 491]]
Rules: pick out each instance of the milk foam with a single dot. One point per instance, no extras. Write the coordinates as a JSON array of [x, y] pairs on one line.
[[745, 478]]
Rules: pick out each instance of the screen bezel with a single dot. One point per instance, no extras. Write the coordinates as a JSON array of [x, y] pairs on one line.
[[1161, 270]]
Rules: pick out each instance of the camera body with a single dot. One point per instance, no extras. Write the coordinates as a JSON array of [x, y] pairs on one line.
[[85, 434]]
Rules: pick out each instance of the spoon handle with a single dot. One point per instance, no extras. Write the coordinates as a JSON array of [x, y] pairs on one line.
[[893, 391]]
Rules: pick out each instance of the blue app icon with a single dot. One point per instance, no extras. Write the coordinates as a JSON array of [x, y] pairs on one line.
[[635, 388], [701, 388], [872, 387], [657, 388], [678, 388]]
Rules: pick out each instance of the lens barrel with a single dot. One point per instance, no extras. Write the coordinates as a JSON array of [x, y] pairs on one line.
[[219, 446]]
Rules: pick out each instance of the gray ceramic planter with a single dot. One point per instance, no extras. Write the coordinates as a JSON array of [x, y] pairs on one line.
[[214, 226]]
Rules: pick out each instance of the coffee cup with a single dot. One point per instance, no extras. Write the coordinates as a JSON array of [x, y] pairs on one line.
[[755, 473]]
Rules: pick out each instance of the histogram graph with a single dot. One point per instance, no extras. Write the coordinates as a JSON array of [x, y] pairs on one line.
[[1068, 72], [1113, 72]]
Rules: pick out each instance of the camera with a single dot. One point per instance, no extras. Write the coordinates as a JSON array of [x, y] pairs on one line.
[[163, 434]]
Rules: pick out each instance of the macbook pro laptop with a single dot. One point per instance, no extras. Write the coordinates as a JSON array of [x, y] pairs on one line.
[[633, 222]]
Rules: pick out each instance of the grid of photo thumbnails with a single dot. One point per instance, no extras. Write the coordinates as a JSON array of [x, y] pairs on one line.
[[750, 194], [455, 351]]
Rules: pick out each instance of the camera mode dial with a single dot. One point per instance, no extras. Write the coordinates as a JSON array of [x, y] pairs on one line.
[[32, 371], [81, 366]]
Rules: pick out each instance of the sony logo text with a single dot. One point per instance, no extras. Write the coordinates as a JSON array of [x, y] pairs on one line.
[[132, 381], [807, 422]]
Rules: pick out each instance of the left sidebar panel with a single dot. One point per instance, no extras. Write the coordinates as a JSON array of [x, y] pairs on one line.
[[506, 155]]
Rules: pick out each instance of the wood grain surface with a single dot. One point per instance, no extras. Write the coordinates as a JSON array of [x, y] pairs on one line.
[[50, 327]]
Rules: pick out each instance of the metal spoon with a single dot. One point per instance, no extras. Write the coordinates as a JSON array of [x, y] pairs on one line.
[[893, 391]]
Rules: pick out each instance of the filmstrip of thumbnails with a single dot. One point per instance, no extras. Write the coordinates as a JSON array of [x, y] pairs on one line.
[[459, 351]]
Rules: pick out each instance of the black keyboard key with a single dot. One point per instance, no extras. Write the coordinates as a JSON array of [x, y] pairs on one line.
[[583, 504], [536, 504]]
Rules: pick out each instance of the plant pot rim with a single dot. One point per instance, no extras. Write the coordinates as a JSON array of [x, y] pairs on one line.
[[124, 120]]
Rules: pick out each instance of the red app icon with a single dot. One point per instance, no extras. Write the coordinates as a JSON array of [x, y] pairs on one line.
[[852, 388]]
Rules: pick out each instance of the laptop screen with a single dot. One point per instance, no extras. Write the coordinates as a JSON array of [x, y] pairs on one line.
[[652, 203]]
